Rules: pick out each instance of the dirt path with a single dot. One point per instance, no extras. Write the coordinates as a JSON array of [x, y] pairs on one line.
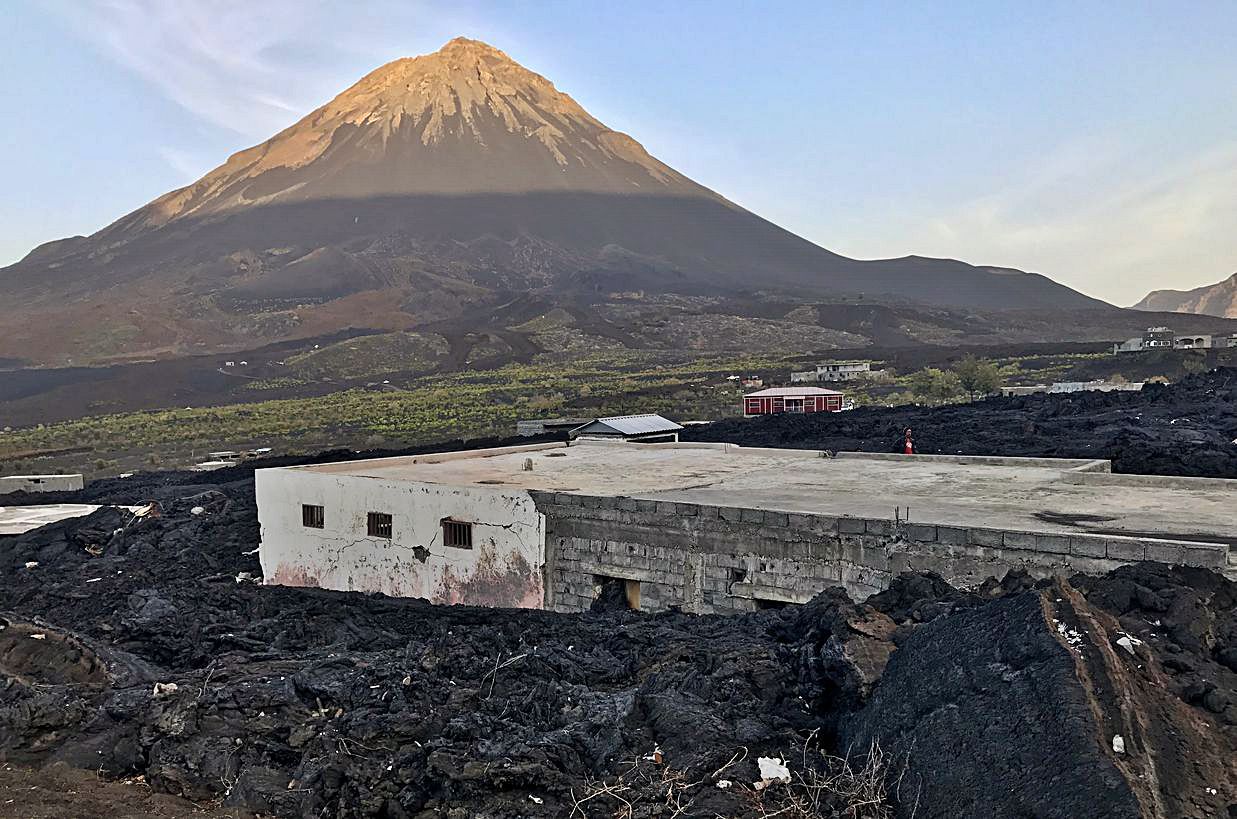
[[63, 793]]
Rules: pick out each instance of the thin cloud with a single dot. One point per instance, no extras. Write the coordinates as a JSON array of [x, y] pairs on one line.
[[1109, 222], [189, 166], [235, 64]]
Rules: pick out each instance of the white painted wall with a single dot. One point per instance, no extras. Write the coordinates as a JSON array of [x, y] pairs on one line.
[[505, 567], [41, 483]]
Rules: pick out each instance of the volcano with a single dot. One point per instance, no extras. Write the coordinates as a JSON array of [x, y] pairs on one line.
[[432, 189]]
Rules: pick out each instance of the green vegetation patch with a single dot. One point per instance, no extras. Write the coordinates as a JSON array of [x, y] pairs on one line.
[[370, 357]]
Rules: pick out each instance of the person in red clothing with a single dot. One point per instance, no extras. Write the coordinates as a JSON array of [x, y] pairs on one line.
[[908, 446]]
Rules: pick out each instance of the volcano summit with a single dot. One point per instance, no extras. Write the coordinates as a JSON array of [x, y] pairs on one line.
[[434, 189]]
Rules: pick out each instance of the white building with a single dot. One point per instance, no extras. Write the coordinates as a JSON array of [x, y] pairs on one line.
[[1194, 342], [835, 371], [41, 483], [704, 527], [388, 525]]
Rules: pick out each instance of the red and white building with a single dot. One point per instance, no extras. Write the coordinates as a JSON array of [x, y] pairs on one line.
[[791, 399]]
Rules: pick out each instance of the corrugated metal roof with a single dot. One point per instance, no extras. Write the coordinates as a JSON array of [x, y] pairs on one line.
[[635, 424], [792, 392]]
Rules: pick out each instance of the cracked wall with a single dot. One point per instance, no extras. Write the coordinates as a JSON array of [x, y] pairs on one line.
[[504, 567]]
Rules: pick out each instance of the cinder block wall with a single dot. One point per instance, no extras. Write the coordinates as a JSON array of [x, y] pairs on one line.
[[705, 559]]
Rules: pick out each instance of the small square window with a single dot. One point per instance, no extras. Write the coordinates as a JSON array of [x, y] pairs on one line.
[[378, 524], [457, 535], [313, 516]]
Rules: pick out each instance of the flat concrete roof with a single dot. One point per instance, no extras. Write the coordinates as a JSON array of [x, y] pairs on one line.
[[1029, 494], [16, 520]]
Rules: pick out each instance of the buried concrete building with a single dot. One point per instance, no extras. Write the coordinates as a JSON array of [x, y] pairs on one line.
[[716, 527]]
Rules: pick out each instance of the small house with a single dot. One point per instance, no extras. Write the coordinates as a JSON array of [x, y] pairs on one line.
[[648, 428], [792, 399]]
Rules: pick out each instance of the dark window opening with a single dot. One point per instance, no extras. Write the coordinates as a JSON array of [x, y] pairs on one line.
[[763, 604], [313, 516], [378, 524], [615, 594], [457, 535]]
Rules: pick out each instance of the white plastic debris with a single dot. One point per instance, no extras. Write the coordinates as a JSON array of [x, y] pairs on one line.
[[38, 636], [724, 783], [1072, 636], [165, 689], [656, 757], [246, 577], [1128, 642], [1118, 744], [94, 580], [197, 510], [536, 800], [772, 769], [32, 564]]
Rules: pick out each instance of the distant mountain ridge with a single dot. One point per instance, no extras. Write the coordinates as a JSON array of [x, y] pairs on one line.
[[433, 186], [1219, 299]]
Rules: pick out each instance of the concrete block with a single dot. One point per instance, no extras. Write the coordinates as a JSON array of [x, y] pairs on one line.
[[1019, 540], [921, 532], [628, 505], [646, 507], [952, 535], [1165, 552], [687, 509], [803, 523], [777, 519], [707, 512], [1087, 546], [1132, 550], [992, 538], [1209, 557], [852, 526], [878, 527], [752, 516], [666, 507], [730, 513], [1053, 544]]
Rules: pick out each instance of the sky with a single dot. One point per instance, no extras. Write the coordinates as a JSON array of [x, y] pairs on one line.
[[1095, 143]]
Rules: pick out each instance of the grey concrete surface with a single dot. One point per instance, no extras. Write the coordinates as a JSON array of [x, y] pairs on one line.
[[1030, 495]]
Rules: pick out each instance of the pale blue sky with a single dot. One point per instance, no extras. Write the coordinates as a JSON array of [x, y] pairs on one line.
[[1092, 142]]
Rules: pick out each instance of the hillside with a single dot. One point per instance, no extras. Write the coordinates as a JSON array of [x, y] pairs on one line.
[[1219, 299], [432, 190]]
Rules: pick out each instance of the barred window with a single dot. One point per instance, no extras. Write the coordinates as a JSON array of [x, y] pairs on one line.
[[313, 516], [457, 535], [378, 524]]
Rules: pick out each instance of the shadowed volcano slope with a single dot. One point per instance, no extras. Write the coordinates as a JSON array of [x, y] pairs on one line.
[[438, 179]]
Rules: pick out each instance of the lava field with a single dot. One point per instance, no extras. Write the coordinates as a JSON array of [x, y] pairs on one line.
[[1187, 428], [147, 647]]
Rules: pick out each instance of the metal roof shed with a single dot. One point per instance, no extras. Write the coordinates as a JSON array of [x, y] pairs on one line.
[[630, 428]]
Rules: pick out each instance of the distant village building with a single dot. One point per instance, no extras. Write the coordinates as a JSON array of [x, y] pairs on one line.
[[752, 383], [1163, 338], [1097, 385], [1157, 337], [792, 399], [1153, 338], [1193, 342], [835, 371], [41, 483]]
